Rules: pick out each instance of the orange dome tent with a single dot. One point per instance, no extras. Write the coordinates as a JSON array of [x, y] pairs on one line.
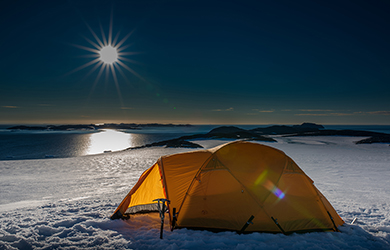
[[239, 186]]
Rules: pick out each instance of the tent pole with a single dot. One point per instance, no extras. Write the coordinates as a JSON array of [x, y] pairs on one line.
[[162, 209]]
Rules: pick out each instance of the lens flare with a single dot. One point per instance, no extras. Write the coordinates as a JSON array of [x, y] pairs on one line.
[[262, 180], [273, 189]]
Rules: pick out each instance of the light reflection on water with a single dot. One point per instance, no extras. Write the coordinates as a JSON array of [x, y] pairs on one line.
[[23, 144], [108, 140]]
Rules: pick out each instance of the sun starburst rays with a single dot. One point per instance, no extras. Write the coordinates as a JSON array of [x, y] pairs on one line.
[[108, 56]]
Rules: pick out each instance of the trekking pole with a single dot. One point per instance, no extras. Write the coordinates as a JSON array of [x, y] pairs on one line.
[[162, 209]]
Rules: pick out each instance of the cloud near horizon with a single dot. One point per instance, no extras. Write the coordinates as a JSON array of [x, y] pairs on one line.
[[316, 110], [263, 111], [347, 114], [223, 110], [326, 114], [379, 113]]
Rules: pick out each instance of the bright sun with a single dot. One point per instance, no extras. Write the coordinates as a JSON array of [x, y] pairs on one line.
[[108, 54]]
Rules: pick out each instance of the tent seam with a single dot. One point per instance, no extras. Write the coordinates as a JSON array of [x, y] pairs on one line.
[[251, 195], [164, 185], [192, 182]]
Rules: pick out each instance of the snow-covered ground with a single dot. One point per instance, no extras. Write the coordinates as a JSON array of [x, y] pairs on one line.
[[66, 203]]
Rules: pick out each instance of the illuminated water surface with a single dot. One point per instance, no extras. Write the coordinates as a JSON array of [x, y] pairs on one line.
[[109, 140]]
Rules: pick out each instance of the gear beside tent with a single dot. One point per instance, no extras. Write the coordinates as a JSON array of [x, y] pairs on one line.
[[239, 186]]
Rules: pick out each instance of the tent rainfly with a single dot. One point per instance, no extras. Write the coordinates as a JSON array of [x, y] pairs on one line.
[[239, 186]]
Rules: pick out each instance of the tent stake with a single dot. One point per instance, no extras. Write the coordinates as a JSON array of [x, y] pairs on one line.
[[174, 219], [247, 224], [277, 223], [334, 224], [162, 209]]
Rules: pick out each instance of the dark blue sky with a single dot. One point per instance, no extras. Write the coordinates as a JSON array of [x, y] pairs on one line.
[[227, 62]]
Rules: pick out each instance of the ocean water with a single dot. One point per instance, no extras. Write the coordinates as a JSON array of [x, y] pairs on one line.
[[21, 145], [24, 144]]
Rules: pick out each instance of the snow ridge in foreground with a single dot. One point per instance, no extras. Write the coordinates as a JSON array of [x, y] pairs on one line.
[[84, 224]]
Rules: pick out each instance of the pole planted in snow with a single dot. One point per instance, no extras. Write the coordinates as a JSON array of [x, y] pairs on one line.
[[162, 209]]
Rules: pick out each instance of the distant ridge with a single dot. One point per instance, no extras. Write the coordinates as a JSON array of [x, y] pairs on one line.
[[262, 134], [96, 126], [282, 129], [224, 132]]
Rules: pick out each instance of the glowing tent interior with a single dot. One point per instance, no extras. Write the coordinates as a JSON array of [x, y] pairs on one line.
[[239, 186]]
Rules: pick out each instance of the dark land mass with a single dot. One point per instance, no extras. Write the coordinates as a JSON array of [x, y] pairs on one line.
[[95, 126], [230, 132], [226, 132], [282, 129], [374, 137], [174, 143], [346, 132], [311, 129], [261, 134]]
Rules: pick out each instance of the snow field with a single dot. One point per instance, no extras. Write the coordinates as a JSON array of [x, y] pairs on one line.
[[66, 203]]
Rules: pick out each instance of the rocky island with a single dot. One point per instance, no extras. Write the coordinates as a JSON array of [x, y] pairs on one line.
[[224, 132], [263, 134]]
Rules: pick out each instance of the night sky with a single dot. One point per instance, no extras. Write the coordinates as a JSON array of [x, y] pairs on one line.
[[199, 62]]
